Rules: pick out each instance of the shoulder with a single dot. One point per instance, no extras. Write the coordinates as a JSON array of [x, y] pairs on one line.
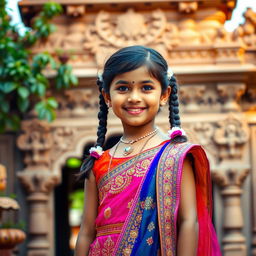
[[100, 164], [184, 150]]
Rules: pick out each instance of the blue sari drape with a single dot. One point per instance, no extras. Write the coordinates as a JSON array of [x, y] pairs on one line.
[[141, 236]]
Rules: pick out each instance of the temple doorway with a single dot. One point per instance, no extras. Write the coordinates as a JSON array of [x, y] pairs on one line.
[[68, 198]]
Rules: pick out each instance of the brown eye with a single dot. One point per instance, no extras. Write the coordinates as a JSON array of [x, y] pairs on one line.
[[122, 88], [147, 88]]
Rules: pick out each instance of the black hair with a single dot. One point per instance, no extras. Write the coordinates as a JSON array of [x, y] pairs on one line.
[[125, 60]]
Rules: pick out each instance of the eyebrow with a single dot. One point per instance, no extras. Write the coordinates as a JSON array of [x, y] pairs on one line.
[[147, 82], [126, 82], [121, 82]]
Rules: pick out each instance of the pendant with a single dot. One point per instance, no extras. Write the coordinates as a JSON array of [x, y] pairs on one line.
[[127, 150]]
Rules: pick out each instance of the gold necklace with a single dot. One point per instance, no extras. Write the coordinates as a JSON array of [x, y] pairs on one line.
[[137, 155], [128, 150]]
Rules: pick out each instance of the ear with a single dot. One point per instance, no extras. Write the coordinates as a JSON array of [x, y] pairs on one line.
[[165, 96], [106, 97]]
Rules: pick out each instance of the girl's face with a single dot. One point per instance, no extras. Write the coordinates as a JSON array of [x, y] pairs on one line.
[[135, 97]]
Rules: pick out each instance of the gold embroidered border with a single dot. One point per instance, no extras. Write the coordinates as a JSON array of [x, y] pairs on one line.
[[109, 229]]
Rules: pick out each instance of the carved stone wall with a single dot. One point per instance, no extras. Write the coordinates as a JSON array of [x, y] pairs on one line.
[[216, 72]]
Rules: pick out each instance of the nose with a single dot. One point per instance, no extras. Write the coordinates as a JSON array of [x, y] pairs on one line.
[[134, 96]]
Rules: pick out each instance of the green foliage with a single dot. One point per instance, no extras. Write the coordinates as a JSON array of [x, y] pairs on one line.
[[10, 224], [23, 84], [73, 162], [77, 199]]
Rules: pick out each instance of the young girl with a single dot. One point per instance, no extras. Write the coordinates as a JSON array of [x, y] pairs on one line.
[[150, 194]]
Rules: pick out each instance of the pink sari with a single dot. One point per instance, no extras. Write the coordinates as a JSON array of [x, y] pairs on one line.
[[118, 190], [121, 203]]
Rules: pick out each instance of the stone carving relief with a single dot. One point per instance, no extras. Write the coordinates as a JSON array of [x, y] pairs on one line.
[[191, 97], [130, 28], [223, 140], [179, 41], [202, 132], [80, 100], [188, 7], [230, 136], [42, 144], [63, 139], [246, 33], [212, 97], [38, 182], [74, 37], [36, 141], [76, 102], [249, 100], [111, 32], [75, 10], [230, 95]]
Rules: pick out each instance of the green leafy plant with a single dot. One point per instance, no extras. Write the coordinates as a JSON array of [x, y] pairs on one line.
[[23, 83], [77, 199], [10, 224]]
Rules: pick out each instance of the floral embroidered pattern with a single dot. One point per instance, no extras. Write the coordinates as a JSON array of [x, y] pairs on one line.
[[107, 213], [108, 247], [121, 176], [133, 229], [141, 167], [129, 205], [131, 232], [168, 176], [150, 241], [95, 250], [148, 204], [127, 251], [151, 226]]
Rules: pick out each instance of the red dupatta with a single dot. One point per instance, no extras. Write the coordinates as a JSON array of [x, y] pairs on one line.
[[169, 176]]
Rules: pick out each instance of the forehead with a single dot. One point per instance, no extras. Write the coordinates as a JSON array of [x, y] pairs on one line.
[[138, 74]]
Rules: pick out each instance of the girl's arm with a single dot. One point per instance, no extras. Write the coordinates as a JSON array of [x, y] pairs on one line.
[[187, 218], [87, 230]]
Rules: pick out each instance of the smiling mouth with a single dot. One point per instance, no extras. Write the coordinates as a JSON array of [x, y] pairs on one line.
[[135, 111]]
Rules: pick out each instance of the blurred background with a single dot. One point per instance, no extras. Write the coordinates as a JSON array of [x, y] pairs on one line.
[[50, 56]]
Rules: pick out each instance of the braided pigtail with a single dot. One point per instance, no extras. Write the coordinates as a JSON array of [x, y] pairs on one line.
[[101, 133], [174, 117]]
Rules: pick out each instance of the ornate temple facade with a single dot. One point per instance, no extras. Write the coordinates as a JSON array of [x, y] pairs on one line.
[[216, 70]]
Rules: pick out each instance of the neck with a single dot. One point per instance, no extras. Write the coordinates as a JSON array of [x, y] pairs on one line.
[[136, 132]]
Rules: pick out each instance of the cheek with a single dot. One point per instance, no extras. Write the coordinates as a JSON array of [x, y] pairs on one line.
[[116, 100]]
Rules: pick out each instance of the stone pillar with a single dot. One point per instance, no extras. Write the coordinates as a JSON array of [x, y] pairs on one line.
[[231, 182], [38, 180], [38, 186], [253, 153], [231, 136]]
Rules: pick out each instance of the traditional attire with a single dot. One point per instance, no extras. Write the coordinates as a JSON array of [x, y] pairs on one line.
[[139, 201]]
